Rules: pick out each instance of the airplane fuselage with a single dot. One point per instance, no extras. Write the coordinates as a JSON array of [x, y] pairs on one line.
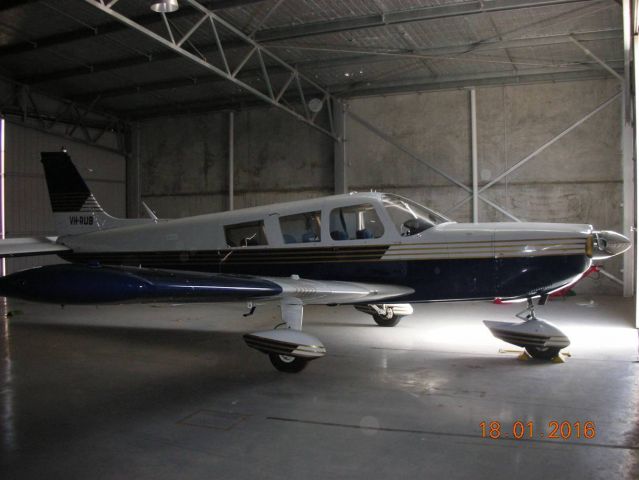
[[446, 261]]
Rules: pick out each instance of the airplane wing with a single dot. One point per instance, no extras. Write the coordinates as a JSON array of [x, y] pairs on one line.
[[84, 284], [20, 247], [322, 292]]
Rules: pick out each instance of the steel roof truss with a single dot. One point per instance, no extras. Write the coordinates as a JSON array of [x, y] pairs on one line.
[[215, 23], [168, 27], [192, 30], [267, 80], [285, 87], [219, 45]]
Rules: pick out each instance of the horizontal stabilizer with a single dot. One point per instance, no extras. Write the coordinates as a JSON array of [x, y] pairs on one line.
[[22, 247]]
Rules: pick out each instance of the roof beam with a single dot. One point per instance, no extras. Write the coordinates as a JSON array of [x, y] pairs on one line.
[[521, 77], [358, 59], [207, 79], [108, 27], [303, 30], [444, 50], [461, 52], [405, 16]]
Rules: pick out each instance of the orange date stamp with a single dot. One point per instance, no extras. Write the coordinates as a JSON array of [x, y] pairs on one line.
[[520, 430]]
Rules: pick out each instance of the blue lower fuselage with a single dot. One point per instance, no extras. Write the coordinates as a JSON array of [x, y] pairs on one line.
[[432, 280]]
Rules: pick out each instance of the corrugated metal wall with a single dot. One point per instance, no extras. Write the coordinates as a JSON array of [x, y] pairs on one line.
[[28, 211]]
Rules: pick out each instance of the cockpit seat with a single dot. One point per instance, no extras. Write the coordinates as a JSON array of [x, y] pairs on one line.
[[288, 238], [339, 235], [364, 233], [309, 237]]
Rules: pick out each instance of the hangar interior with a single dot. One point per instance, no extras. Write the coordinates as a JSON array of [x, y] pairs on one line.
[[487, 111]]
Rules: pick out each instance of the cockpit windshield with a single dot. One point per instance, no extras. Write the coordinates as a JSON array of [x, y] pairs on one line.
[[410, 218]]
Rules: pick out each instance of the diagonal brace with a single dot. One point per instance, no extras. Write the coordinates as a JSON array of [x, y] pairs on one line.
[[521, 162], [416, 157]]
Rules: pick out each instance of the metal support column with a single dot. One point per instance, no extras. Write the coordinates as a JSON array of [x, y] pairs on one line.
[[627, 151], [631, 51], [340, 158], [3, 230], [627, 157], [231, 159], [473, 151], [132, 159]]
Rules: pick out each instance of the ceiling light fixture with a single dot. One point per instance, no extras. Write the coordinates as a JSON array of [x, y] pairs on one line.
[[165, 6]]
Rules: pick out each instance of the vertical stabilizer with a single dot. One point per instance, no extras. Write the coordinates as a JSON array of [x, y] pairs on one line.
[[75, 209]]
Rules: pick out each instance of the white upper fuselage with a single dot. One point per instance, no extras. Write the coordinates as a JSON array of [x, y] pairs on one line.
[[207, 232]]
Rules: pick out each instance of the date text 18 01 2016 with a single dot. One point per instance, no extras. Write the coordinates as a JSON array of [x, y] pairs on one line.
[[518, 430]]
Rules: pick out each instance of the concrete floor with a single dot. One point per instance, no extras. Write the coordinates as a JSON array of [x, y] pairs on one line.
[[172, 392]]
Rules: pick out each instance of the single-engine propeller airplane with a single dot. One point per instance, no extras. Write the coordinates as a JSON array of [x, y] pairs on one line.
[[376, 251]]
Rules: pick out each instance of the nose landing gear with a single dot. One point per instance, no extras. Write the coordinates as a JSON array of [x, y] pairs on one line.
[[541, 339]]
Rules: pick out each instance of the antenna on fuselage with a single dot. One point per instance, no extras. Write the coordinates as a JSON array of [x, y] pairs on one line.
[[150, 213]]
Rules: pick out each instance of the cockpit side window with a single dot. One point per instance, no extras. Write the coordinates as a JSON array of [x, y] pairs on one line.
[[246, 234], [301, 227], [409, 217], [356, 222]]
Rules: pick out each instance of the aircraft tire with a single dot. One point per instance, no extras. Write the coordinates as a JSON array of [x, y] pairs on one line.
[[286, 363], [384, 321], [543, 353]]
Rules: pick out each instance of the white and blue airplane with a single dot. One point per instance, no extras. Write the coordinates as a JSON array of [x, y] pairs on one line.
[[376, 251]]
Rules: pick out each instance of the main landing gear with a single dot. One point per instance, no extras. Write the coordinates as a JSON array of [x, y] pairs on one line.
[[540, 338], [288, 348], [287, 363], [386, 315]]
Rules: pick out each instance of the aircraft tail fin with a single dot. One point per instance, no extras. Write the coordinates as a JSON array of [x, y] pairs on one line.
[[75, 208]]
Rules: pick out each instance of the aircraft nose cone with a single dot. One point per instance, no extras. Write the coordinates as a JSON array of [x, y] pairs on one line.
[[608, 244]]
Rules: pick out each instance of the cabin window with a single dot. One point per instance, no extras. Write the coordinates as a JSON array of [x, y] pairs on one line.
[[245, 234], [410, 217], [301, 227], [356, 222]]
